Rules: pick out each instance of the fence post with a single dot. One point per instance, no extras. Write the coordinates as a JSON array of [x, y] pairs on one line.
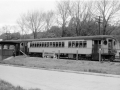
[[77, 55], [43, 54], [58, 54], [2, 46]]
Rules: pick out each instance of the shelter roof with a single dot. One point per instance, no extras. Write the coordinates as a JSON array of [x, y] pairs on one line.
[[9, 42]]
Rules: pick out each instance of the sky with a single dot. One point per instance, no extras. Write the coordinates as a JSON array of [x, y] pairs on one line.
[[11, 10]]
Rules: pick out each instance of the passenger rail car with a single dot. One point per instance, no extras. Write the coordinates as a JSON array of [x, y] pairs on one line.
[[82, 47]]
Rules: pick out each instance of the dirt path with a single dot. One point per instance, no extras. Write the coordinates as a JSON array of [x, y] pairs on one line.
[[54, 80]]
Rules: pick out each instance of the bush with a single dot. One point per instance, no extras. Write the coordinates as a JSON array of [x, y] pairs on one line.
[[7, 86]]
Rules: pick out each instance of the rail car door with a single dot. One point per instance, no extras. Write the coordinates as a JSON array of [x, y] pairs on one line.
[[110, 46], [95, 49], [24, 48]]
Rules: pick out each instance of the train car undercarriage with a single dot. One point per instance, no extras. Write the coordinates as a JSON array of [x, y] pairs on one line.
[[73, 56]]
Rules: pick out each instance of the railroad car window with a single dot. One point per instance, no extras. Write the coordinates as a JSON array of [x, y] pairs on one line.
[[69, 44], [63, 44], [105, 42], [73, 43], [42, 44], [80, 44], [57, 45], [37, 44], [50, 44], [53, 44], [77, 44], [33, 44], [47, 44], [84, 44], [60, 44], [30, 44], [114, 43]]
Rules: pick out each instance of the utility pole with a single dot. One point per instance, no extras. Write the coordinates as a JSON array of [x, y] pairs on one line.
[[98, 20], [99, 25]]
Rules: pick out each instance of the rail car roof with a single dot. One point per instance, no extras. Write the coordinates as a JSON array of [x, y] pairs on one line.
[[60, 38], [75, 38]]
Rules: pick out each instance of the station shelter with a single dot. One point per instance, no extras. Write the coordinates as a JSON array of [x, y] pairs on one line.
[[7, 48]]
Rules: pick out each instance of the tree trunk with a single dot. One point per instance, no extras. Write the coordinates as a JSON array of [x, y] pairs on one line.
[[104, 28], [63, 29], [35, 35]]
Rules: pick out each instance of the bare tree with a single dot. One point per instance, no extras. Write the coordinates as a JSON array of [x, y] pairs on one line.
[[23, 28], [81, 13], [107, 10], [21, 24], [63, 13], [33, 21], [49, 19], [6, 30]]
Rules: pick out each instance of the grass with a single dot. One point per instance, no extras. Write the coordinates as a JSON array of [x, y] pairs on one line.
[[7, 86], [63, 64]]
